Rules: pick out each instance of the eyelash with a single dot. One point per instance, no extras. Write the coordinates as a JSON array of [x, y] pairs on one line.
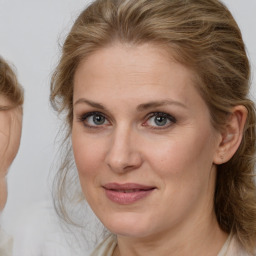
[[83, 118], [172, 120]]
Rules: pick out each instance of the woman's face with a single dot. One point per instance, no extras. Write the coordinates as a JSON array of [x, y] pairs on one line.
[[10, 133], [143, 142]]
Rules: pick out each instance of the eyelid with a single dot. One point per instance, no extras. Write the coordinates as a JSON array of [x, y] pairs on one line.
[[170, 117], [82, 118], [164, 114]]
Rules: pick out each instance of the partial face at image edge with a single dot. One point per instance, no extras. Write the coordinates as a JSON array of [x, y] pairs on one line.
[[10, 134]]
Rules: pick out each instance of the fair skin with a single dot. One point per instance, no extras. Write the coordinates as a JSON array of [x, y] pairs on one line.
[[10, 133], [140, 125]]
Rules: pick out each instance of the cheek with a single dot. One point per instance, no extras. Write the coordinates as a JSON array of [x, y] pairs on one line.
[[88, 155], [3, 192], [190, 152], [89, 158], [15, 137], [10, 134]]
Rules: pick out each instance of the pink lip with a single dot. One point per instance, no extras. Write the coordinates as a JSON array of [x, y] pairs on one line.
[[127, 193]]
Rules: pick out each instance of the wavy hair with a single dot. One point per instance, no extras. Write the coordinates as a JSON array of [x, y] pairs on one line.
[[9, 86], [202, 35]]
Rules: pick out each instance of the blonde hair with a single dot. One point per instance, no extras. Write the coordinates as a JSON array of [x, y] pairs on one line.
[[202, 35], [9, 86]]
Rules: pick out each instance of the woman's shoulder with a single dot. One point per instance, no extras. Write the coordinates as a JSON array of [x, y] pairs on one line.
[[106, 247]]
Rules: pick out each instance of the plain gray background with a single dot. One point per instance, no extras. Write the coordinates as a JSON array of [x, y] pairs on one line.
[[30, 33]]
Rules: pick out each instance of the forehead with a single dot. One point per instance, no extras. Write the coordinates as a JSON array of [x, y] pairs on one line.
[[124, 73], [122, 66], [122, 78], [4, 101]]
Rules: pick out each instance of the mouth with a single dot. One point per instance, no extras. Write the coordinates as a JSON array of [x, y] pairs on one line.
[[127, 193]]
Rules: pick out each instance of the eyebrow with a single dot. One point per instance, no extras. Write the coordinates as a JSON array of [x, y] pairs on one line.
[[90, 103], [154, 104], [141, 107], [4, 108]]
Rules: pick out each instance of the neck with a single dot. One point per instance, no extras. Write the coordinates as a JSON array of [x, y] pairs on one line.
[[195, 240]]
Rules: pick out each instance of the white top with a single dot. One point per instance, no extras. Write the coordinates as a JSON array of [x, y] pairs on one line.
[[106, 247], [231, 247], [5, 244]]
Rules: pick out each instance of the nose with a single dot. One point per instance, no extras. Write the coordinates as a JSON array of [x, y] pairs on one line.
[[123, 154]]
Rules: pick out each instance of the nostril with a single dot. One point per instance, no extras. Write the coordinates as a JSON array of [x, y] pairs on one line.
[[124, 165], [122, 155]]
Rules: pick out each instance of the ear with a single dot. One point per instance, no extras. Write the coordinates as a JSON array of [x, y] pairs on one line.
[[232, 135]]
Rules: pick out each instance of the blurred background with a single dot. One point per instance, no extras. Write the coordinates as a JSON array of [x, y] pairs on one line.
[[31, 32]]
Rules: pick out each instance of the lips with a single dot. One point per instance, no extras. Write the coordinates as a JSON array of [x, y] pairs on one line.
[[127, 193]]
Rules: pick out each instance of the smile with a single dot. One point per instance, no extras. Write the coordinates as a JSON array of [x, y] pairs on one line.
[[127, 193]]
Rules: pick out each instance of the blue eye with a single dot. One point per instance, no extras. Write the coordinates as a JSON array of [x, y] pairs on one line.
[[97, 119], [161, 120], [94, 119]]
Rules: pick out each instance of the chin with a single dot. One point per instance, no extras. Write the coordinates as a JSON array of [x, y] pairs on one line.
[[130, 226]]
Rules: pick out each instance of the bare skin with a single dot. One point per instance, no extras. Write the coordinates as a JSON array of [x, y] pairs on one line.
[[10, 133], [156, 133]]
